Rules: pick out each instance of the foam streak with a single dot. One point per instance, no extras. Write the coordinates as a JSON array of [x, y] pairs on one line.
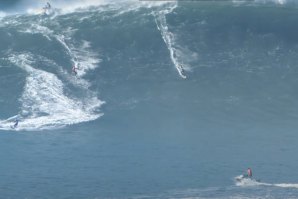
[[168, 38]]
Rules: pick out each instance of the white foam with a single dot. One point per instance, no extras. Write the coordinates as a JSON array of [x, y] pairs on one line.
[[286, 185], [35, 11], [80, 53], [76, 5], [63, 7], [251, 182], [44, 102], [85, 58], [82, 56], [38, 29], [2, 14], [281, 2], [246, 181], [278, 2], [61, 39]]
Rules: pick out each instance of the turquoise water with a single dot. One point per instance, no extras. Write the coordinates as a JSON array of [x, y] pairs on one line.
[[171, 100]]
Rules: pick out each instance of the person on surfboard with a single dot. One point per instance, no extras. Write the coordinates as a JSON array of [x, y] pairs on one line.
[[74, 70], [16, 123], [47, 8]]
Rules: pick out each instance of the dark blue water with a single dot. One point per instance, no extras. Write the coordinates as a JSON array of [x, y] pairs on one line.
[[170, 100]]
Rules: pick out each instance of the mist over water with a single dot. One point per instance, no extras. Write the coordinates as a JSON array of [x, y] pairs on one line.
[[170, 99]]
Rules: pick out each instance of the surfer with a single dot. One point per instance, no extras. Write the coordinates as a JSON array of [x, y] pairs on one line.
[[47, 8], [49, 5], [16, 123], [74, 70]]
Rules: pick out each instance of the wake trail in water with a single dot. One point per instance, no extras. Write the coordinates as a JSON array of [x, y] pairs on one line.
[[245, 182], [168, 37]]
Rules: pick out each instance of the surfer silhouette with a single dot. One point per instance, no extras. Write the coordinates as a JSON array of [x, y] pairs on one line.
[[49, 5], [47, 8], [16, 123], [74, 70]]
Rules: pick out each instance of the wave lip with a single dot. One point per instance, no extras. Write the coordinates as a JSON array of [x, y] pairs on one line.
[[2, 14]]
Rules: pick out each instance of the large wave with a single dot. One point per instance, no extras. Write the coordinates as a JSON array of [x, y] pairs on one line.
[[45, 48]]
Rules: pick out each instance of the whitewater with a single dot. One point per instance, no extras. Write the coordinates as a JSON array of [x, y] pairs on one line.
[[44, 103], [171, 99]]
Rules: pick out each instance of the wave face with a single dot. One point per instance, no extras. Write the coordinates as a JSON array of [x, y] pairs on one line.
[[170, 100], [197, 41]]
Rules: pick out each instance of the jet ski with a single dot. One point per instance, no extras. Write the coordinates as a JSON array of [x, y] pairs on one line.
[[245, 178]]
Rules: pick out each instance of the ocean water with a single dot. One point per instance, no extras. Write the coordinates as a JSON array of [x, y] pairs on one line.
[[171, 100]]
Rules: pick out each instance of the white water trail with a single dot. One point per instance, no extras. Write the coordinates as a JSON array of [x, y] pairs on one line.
[[81, 56], [245, 182], [84, 58], [168, 37]]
